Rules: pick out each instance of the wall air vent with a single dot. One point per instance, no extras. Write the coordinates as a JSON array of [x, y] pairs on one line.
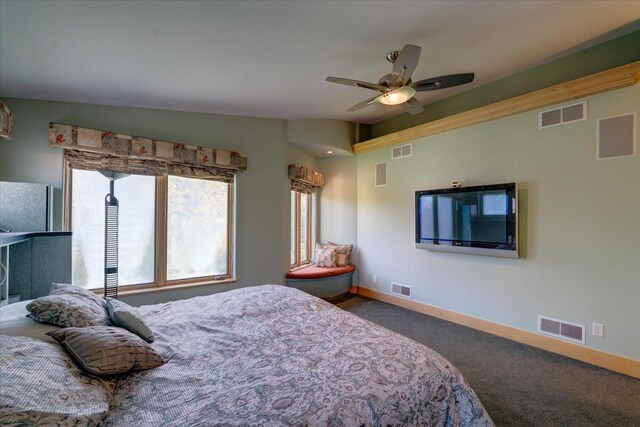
[[381, 174], [561, 329], [617, 136], [401, 290], [401, 151], [563, 115]]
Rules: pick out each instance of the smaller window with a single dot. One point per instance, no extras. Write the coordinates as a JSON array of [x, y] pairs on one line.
[[197, 229], [301, 228]]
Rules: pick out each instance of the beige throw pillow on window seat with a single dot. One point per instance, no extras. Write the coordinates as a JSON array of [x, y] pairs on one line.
[[343, 254], [325, 256]]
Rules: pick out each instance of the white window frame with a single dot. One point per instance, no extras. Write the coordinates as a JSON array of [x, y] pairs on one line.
[[160, 258], [298, 261]]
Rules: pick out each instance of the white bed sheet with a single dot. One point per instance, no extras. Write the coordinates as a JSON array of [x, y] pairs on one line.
[[14, 321]]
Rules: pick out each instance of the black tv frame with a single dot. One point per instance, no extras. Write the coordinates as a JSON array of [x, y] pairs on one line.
[[501, 250]]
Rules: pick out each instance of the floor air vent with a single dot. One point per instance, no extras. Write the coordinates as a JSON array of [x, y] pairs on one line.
[[401, 290], [560, 116], [401, 151], [561, 329]]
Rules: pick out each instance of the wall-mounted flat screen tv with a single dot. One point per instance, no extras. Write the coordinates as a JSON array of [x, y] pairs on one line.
[[481, 220]]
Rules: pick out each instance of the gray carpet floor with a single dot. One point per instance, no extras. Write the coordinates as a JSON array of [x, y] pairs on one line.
[[519, 385]]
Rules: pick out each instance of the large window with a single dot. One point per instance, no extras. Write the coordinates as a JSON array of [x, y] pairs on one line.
[[172, 230], [301, 228], [137, 197]]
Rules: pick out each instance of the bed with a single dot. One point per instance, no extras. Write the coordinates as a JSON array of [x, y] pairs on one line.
[[272, 355]]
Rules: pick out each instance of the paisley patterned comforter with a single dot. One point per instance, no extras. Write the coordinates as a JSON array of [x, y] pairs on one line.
[[271, 355]]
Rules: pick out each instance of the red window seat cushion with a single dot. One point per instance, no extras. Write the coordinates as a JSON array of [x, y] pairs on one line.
[[313, 272]]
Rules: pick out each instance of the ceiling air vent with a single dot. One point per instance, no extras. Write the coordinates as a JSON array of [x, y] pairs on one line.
[[401, 151], [401, 290], [381, 174], [563, 115], [561, 329]]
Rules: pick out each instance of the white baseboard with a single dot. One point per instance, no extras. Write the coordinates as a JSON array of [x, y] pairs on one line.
[[599, 358]]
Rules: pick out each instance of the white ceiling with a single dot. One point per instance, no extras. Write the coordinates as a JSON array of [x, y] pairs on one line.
[[270, 59]]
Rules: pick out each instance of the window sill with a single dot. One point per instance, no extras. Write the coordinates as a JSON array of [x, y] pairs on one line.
[[301, 266], [144, 289]]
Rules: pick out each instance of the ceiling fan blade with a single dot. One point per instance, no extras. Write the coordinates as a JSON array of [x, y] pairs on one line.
[[413, 106], [406, 62], [357, 83], [363, 104], [442, 82]]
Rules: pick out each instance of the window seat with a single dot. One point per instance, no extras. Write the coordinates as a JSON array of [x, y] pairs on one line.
[[313, 272], [326, 283]]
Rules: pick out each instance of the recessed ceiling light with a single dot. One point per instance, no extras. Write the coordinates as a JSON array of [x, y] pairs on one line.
[[329, 152]]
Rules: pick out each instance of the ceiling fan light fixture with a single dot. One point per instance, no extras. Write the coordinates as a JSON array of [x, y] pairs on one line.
[[404, 63], [398, 96]]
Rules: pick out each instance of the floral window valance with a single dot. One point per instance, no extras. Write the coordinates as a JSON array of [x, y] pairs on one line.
[[99, 149], [304, 179]]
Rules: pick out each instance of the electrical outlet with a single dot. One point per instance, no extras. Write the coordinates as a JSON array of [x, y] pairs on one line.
[[374, 278], [598, 329]]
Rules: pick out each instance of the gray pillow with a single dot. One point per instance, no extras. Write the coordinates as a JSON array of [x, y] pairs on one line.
[[69, 289], [125, 316], [73, 309], [104, 350], [40, 385]]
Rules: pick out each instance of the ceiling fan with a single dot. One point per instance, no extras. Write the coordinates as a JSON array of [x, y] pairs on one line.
[[398, 88]]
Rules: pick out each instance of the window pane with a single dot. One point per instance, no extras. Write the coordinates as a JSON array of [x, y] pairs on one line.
[[293, 227], [136, 257], [197, 228], [304, 227]]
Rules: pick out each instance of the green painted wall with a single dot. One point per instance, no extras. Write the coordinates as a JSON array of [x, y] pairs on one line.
[[611, 54], [263, 191], [338, 209], [321, 135], [579, 224]]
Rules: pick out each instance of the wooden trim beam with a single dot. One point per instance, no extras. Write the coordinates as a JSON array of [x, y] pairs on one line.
[[626, 75], [599, 358]]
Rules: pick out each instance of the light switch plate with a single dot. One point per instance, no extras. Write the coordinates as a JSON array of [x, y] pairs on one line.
[[598, 329]]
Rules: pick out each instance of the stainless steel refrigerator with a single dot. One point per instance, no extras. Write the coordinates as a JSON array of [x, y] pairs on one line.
[[26, 207]]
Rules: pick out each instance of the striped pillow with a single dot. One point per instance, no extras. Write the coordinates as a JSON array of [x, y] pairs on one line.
[[105, 350]]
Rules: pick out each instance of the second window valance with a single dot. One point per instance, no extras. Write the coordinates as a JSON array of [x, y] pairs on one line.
[[304, 179], [100, 149]]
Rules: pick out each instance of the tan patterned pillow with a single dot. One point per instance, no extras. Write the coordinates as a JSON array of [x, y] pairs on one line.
[[343, 254], [105, 350], [317, 248], [69, 310], [69, 289], [325, 256]]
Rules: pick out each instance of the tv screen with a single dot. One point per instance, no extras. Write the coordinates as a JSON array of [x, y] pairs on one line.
[[477, 220]]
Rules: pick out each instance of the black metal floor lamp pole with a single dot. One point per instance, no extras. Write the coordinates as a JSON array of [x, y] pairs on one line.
[[111, 207]]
